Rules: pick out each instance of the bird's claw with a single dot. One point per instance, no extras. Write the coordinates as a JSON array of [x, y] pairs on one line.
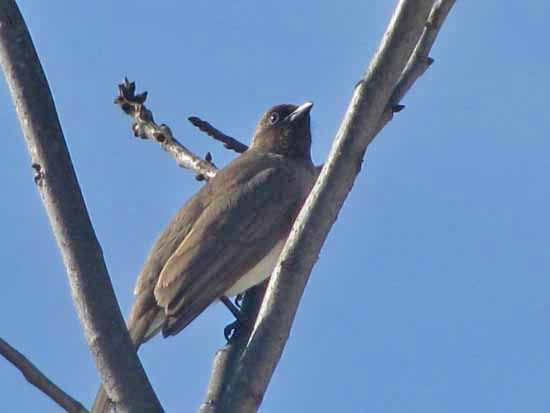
[[239, 300], [231, 330]]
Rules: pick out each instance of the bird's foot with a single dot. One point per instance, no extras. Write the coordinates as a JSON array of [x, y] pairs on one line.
[[239, 299], [241, 321], [231, 307], [231, 330]]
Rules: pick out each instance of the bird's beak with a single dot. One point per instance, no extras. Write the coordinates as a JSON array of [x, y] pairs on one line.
[[300, 112]]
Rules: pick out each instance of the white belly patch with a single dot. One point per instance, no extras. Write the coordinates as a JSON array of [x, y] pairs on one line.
[[259, 272]]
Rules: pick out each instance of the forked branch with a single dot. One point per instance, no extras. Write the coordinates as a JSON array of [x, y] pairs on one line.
[[375, 99], [104, 328], [145, 127]]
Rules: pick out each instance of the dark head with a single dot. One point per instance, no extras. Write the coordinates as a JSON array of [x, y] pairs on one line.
[[285, 130]]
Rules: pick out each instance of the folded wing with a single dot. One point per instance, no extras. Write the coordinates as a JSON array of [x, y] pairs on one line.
[[234, 231]]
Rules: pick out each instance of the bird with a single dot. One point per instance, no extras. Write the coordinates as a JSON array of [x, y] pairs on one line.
[[228, 236]]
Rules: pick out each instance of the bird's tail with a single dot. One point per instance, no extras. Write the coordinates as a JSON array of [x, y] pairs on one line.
[[140, 329]]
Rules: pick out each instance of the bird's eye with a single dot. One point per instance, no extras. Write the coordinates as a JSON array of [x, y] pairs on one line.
[[273, 118]]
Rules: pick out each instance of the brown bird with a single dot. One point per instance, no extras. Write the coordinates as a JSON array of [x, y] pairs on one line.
[[229, 235]]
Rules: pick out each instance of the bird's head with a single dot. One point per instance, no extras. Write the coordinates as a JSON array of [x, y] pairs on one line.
[[285, 130]]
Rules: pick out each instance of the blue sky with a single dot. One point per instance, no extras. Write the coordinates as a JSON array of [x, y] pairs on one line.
[[431, 292]]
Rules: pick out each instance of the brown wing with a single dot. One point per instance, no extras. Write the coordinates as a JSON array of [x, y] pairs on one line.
[[145, 309], [146, 314], [231, 235]]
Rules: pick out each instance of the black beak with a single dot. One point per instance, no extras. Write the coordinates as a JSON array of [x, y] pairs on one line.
[[300, 112]]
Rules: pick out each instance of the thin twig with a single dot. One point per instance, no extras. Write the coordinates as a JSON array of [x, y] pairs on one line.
[[92, 292], [420, 60], [38, 379], [371, 99], [228, 141], [144, 126]]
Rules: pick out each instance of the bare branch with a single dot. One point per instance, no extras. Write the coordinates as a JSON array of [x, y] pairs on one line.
[[92, 292], [226, 359], [39, 380], [144, 126], [370, 101], [420, 60], [228, 141]]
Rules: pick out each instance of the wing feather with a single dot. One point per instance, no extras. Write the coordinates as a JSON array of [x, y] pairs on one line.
[[233, 233], [215, 234]]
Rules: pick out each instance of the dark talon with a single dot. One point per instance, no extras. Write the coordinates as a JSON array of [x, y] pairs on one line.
[[231, 307], [231, 329], [239, 300]]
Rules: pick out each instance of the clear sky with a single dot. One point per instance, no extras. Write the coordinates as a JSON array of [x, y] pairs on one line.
[[432, 291]]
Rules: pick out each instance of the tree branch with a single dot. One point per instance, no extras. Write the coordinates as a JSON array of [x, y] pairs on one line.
[[39, 379], [226, 359], [228, 141], [371, 103], [420, 60], [144, 126], [92, 292]]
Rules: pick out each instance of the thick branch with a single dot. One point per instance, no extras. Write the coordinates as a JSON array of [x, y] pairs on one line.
[[144, 126], [371, 99], [39, 379], [92, 292]]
